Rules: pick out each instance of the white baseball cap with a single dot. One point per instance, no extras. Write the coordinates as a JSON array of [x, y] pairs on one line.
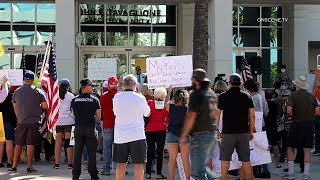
[[105, 84]]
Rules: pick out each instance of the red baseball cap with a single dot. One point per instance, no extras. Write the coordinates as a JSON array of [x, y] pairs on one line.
[[113, 80]]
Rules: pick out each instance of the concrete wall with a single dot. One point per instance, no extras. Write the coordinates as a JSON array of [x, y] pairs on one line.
[[65, 40]]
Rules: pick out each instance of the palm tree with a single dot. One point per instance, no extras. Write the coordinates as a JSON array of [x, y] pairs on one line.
[[200, 35]]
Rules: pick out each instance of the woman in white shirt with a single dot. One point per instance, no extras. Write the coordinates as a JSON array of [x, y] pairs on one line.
[[64, 124]]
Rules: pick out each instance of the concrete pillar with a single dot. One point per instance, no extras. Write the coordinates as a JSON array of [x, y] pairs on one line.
[[65, 40], [185, 29], [220, 38]]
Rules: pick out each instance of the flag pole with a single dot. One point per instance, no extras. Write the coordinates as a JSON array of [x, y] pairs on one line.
[[45, 58]]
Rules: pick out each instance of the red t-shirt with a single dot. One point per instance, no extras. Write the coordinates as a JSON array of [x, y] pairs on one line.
[[158, 118], [107, 108]]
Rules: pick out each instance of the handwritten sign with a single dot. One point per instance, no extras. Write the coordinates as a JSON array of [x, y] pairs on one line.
[[102, 68], [310, 80], [181, 168], [167, 71], [15, 76], [259, 153]]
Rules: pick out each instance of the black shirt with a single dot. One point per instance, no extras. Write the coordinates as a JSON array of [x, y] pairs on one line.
[[272, 119], [6, 107], [177, 115], [235, 105], [84, 107], [200, 103]]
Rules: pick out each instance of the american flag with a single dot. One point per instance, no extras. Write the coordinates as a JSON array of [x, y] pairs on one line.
[[49, 80], [246, 70], [39, 64], [23, 61]]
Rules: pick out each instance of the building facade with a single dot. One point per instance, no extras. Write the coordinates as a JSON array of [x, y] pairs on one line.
[[281, 32]]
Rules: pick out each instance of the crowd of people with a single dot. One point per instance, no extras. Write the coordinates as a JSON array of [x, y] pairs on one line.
[[133, 124]]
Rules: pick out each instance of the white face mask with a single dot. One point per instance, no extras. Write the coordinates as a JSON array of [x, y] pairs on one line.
[[283, 70]]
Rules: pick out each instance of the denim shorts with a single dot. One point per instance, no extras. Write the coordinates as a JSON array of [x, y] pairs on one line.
[[173, 139]]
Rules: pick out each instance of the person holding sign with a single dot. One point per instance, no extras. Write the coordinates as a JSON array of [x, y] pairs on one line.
[[316, 92], [199, 124], [4, 89]]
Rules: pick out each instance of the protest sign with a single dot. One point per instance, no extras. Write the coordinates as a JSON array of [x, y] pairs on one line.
[[175, 71], [72, 140], [181, 168], [2, 133], [15, 76], [310, 80], [259, 153], [102, 68]]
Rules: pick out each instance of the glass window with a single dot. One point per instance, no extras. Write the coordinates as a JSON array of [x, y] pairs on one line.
[[164, 36], [5, 62], [5, 34], [271, 58], [272, 37], [249, 37], [164, 14], [44, 31], [275, 13], [140, 36], [248, 16], [117, 14], [121, 64], [235, 15], [117, 35], [235, 37], [23, 35], [92, 35], [46, 13], [17, 60], [23, 12], [91, 14], [140, 14], [5, 13]]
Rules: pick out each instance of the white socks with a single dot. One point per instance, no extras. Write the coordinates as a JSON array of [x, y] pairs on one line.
[[291, 167], [306, 169]]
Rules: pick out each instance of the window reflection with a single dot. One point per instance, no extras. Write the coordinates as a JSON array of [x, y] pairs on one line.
[[248, 16], [235, 41], [5, 13], [235, 15], [117, 36], [117, 14], [270, 62], [46, 13], [164, 14], [272, 37], [5, 62], [272, 12], [5, 34], [140, 36], [23, 12], [121, 63], [91, 14], [164, 36], [92, 35], [23, 35], [140, 14], [43, 33], [249, 37], [17, 60]]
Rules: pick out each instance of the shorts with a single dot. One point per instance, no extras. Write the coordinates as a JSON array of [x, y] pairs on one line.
[[240, 142], [173, 139], [137, 150], [301, 135], [273, 137], [9, 131], [64, 129], [27, 134]]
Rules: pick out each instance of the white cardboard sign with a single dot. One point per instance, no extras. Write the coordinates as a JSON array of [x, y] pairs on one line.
[[72, 140], [171, 70], [102, 68], [15, 76]]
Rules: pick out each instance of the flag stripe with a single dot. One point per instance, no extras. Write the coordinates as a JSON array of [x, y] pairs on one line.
[[246, 70]]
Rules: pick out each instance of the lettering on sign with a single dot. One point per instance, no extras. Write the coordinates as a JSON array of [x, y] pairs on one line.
[[102, 68], [167, 71], [15, 76]]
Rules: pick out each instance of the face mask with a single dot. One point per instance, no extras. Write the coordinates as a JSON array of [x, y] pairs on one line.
[[283, 70]]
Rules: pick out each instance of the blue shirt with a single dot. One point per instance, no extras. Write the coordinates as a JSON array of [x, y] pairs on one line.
[[177, 115], [84, 107]]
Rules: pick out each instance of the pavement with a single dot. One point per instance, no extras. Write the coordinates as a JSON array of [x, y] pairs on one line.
[[47, 172]]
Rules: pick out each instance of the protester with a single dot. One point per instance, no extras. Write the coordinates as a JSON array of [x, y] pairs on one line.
[[272, 126], [220, 87], [4, 89], [10, 123], [316, 92], [237, 110], [86, 110], [156, 131], [129, 136], [260, 105], [28, 103], [199, 124], [104, 86], [283, 76], [108, 122], [64, 124], [303, 107], [177, 115], [146, 92]]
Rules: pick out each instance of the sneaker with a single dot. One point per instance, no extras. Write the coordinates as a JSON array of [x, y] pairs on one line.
[[31, 170], [70, 166], [2, 165], [105, 173], [56, 166], [288, 176], [316, 153], [306, 177], [12, 169]]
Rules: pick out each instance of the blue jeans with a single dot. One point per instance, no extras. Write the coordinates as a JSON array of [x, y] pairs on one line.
[[201, 150], [107, 148]]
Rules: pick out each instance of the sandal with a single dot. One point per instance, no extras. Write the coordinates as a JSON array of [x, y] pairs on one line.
[[148, 176], [161, 176]]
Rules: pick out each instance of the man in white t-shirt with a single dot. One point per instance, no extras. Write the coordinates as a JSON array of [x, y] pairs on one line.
[[129, 136]]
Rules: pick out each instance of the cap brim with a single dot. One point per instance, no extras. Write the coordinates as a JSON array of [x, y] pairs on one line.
[[206, 80], [306, 87]]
